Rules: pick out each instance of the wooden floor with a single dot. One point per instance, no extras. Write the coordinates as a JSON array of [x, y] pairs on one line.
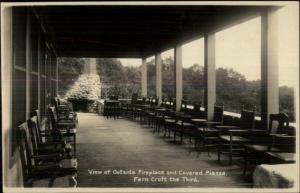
[[124, 153]]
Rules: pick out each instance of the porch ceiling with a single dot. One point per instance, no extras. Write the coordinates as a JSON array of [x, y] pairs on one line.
[[133, 31]]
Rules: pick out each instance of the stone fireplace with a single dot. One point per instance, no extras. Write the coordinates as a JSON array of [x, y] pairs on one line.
[[87, 89]]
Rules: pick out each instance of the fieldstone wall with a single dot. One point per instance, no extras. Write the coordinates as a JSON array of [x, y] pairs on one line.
[[87, 90]]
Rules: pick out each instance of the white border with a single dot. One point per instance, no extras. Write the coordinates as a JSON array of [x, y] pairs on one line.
[[244, 3]]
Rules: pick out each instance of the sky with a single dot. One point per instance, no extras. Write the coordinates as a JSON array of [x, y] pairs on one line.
[[135, 62], [193, 53], [238, 47]]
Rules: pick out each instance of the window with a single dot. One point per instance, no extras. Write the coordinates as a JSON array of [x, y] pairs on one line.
[[34, 44], [43, 76], [19, 24], [193, 71], [34, 63], [19, 73], [43, 96], [34, 92], [151, 76], [53, 75], [288, 60], [48, 75], [42, 55], [168, 74], [54, 66], [238, 68], [19, 97]]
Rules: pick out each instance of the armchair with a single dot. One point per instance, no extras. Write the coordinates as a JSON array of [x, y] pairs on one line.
[[40, 147], [41, 170], [232, 138], [63, 129], [274, 139], [206, 132], [64, 110]]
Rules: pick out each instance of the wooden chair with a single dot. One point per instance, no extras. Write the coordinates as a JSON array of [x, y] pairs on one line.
[[183, 107], [196, 111], [147, 112], [232, 138], [168, 115], [65, 128], [184, 126], [168, 122], [40, 147], [64, 110], [42, 170], [173, 104], [158, 119], [164, 102], [283, 123], [287, 149], [272, 140], [206, 132], [163, 113], [150, 112], [46, 134]]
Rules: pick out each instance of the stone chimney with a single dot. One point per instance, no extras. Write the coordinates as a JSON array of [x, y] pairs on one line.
[[90, 66], [85, 92]]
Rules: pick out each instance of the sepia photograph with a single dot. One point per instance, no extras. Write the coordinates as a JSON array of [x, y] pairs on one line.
[[150, 96]]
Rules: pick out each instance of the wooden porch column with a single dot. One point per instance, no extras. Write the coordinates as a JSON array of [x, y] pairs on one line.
[[178, 71], [158, 77], [210, 74], [269, 65], [144, 77]]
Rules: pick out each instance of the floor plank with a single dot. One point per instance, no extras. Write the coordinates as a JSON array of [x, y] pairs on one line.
[[122, 144]]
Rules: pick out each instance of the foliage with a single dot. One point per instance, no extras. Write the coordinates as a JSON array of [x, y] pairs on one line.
[[71, 65], [69, 70], [193, 83], [168, 78], [151, 78], [117, 79], [286, 101], [233, 90]]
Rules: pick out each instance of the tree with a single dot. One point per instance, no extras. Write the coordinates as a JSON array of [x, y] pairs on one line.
[[117, 79], [71, 65], [232, 88], [151, 78], [69, 70], [286, 101], [234, 91], [168, 77]]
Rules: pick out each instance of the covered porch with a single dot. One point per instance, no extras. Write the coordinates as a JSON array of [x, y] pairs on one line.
[[35, 36]]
